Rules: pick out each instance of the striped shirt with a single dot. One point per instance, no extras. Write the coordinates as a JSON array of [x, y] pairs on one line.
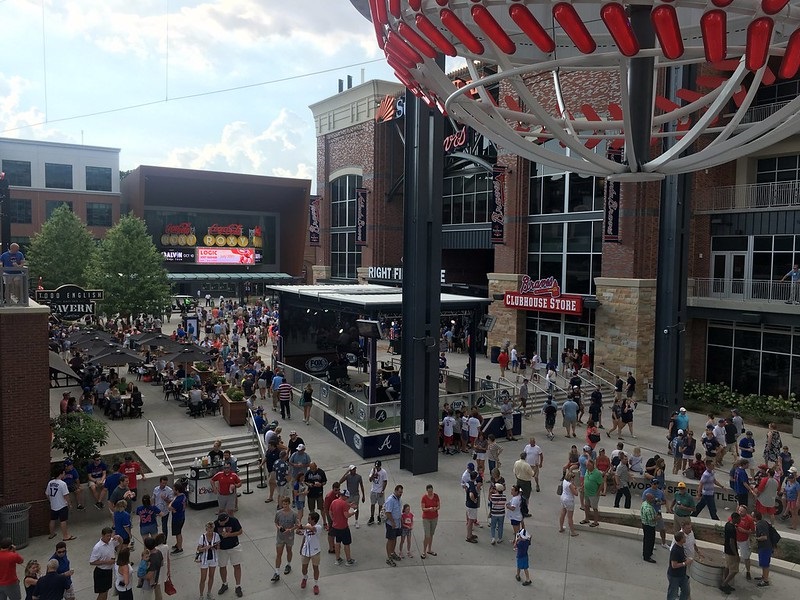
[[285, 392], [498, 501]]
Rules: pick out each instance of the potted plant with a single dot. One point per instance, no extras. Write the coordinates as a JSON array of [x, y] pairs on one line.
[[234, 408], [203, 370]]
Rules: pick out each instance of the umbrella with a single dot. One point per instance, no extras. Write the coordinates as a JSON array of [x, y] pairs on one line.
[[120, 356], [190, 353], [88, 334], [97, 348], [159, 340], [95, 342]]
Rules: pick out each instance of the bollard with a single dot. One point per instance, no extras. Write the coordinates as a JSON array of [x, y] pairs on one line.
[[247, 479], [261, 484]]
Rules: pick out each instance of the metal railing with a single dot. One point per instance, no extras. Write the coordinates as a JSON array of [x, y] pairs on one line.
[[746, 290], [259, 439], [157, 443], [14, 286], [784, 194], [756, 114]]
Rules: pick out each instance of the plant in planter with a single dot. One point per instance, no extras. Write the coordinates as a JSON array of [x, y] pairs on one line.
[[78, 435], [234, 408], [201, 366]]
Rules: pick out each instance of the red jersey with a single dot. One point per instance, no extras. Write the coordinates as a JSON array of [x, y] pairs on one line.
[[329, 498], [8, 567], [748, 524], [503, 359], [430, 503], [226, 482], [338, 511], [131, 470]]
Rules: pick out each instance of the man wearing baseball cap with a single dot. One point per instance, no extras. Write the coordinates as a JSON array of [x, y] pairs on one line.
[[682, 419], [682, 505], [379, 479], [353, 484], [340, 512]]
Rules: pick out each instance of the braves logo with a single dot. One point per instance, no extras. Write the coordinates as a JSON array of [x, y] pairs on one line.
[[386, 445], [540, 287]]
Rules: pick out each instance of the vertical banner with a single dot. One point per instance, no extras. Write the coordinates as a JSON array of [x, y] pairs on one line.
[[611, 203], [498, 235], [361, 217], [313, 221]]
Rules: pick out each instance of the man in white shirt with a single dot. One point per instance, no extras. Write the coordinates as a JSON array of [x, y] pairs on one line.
[[719, 433], [690, 545], [102, 558], [379, 478], [310, 549], [447, 432], [535, 458], [57, 493], [162, 496]]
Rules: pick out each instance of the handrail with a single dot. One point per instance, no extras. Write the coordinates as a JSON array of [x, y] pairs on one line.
[[595, 377], [157, 438], [251, 425], [744, 290], [602, 368]]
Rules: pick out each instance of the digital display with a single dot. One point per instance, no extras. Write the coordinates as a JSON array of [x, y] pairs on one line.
[[225, 256]]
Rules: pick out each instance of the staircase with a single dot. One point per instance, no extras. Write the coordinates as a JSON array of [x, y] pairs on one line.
[[183, 454]]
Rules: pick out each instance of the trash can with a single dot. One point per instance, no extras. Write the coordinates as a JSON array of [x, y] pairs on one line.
[[14, 523]]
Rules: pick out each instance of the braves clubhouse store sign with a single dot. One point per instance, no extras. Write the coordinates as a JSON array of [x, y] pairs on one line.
[[543, 295]]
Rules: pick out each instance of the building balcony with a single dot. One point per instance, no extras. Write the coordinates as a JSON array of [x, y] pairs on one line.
[[14, 287], [756, 295], [754, 196], [756, 114]]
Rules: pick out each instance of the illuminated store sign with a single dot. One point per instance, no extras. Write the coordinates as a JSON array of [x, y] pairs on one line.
[[543, 295]]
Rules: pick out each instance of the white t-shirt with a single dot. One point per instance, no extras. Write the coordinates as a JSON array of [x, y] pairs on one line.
[[56, 490], [474, 426], [465, 478], [311, 543], [513, 508], [447, 426], [532, 454], [377, 482], [513, 354], [689, 545]]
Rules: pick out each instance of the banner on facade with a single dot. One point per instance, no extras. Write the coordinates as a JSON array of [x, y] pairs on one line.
[[361, 217], [498, 235], [611, 204], [313, 221]]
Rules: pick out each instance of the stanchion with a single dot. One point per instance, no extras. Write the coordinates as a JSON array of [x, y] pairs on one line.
[[247, 479], [261, 484]]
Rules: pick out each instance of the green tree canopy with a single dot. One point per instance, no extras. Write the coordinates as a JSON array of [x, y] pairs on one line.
[[129, 268], [61, 252]]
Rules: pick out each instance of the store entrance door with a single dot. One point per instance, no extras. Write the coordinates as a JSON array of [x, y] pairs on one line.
[[729, 270], [585, 345], [550, 347]]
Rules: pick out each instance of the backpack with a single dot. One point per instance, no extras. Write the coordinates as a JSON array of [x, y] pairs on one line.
[[774, 536]]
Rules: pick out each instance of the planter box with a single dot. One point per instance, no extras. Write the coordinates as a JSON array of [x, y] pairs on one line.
[[204, 375], [235, 413]]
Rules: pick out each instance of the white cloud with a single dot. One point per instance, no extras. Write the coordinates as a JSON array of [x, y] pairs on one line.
[[19, 122]]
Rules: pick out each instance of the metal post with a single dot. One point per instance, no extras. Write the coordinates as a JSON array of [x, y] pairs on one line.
[[247, 480], [422, 258], [373, 370], [261, 483], [640, 84]]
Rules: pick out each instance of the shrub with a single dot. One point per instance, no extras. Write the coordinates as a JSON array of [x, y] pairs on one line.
[[718, 397], [78, 435]]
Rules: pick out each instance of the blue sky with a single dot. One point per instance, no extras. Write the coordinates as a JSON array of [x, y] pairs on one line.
[[67, 63]]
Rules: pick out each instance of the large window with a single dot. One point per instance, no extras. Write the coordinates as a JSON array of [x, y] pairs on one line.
[[98, 179], [18, 172], [777, 169], [98, 214], [51, 205], [19, 211], [571, 251], [754, 360], [467, 198], [345, 255], [58, 176]]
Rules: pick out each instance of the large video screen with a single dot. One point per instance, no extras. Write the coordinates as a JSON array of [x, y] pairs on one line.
[[226, 256]]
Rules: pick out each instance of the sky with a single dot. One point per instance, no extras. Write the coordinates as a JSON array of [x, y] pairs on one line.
[[221, 85]]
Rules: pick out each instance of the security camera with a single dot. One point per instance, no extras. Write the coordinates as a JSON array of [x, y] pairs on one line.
[[666, 331]]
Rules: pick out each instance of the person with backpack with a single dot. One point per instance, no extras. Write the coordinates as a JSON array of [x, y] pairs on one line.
[[550, 410], [767, 538]]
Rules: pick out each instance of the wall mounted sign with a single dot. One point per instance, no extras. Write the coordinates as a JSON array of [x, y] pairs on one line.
[[392, 274], [391, 108], [611, 203], [543, 295], [313, 221], [361, 217], [498, 235], [70, 302]]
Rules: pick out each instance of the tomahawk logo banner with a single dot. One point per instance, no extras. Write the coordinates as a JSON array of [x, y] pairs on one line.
[[361, 217], [498, 235], [611, 206], [313, 221]]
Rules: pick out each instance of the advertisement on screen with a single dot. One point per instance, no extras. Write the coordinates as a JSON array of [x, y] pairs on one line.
[[225, 256]]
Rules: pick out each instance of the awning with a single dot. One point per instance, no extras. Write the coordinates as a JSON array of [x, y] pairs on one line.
[[59, 365], [255, 276]]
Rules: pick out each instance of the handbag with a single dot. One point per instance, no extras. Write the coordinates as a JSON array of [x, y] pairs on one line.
[[169, 588], [594, 437], [560, 489]]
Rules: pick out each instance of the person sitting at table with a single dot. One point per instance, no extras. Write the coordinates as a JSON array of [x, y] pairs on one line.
[[393, 386], [114, 405], [195, 400]]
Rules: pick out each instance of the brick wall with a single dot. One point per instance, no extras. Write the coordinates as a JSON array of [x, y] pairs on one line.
[[25, 409]]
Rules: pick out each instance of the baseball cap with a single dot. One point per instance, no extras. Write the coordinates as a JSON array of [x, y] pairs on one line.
[[222, 516], [378, 464], [499, 487], [344, 493], [471, 466], [301, 446], [655, 480], [587, 448], [682, 409], [351, 467], [749, 433], [67, 462], [793, 470], [681, 484], [680, 431], [721, 421]]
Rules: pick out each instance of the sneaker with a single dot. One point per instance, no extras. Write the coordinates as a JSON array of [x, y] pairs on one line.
[[517, 577], [350, 562], [763, 583], [371, 521], [222, 589], [275, 578], [239, 592], [492, 542], [357, 525], [177, 550], [303, 583], [396, 557], [338, 561], [316, 590], [390, 562], [80, 507], [526, 582], [287, 569], [379, 519], [208, 596]]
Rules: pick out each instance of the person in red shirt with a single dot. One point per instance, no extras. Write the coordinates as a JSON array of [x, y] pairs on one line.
[[326, 514], [9, 559], [225, 484], [502, 360], [430, 505], [341, 510], [744, 529], [131, 469]]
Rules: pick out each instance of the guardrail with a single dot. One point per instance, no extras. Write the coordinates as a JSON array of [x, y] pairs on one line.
[[763, 196], [259, 439], [746, 290], [14, 286], [157, 443]]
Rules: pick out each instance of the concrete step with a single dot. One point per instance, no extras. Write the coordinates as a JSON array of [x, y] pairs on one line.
[[183, 454]]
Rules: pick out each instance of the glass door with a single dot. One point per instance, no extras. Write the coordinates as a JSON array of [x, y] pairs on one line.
[[550, 348], [729, 274]]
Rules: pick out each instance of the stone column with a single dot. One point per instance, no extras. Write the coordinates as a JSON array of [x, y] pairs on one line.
[[320, 272], [510, 324], [624, 325]]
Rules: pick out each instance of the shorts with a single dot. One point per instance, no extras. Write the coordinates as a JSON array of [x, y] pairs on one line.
[[285, 539], [448, 440], [392, 533], [569, 422], [522, 562], [765, 510], [791, 505], [472, 514], [570, 506], [11, 591], [300, 504], [226, 501], [314, 560], [744, 549], [102, 580], [232, 554], [405, 533], [60, 515], [659, 524], [508, 422], [271, 477], [282, 492], [764, 556], [429, 527], [515, 523], [342, 536], [732, 563], [151, 529], [376, 498], [177, 525], [593, 501], [262, 384]]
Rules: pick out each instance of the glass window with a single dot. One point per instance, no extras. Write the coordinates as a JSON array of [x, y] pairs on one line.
[[553, 194], [58, 176], [762, 243], [579, 236], [98, 179], [536, 196], [534, 234], [18, 172], [467, 198], [718, 365], [51, 205], [98, 214], [720, 337], [584, 193], [784, 242], [746, 374], [729, 243], [775, 374], [551, 265], [746, 338], [19, 211], [552, 237], [345, 255], [762, 265], [775, 342], [578, 274]]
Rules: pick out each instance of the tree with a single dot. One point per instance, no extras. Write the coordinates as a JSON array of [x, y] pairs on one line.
[[129, 268], [61, 252], [79, 435]]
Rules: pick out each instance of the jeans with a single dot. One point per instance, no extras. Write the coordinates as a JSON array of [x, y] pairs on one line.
[[165, 525], [496, 526], [623, 491], [649, 541], [678, 587], [710, 503], [286, 411], [492, 465]]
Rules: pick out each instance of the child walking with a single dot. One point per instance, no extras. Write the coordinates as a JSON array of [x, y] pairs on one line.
[[407, 519], [522, 542], [141, 570]]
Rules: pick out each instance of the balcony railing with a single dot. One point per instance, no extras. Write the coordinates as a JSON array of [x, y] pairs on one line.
[[764, 196], [756, 114], [746, 290], [13, 286]]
